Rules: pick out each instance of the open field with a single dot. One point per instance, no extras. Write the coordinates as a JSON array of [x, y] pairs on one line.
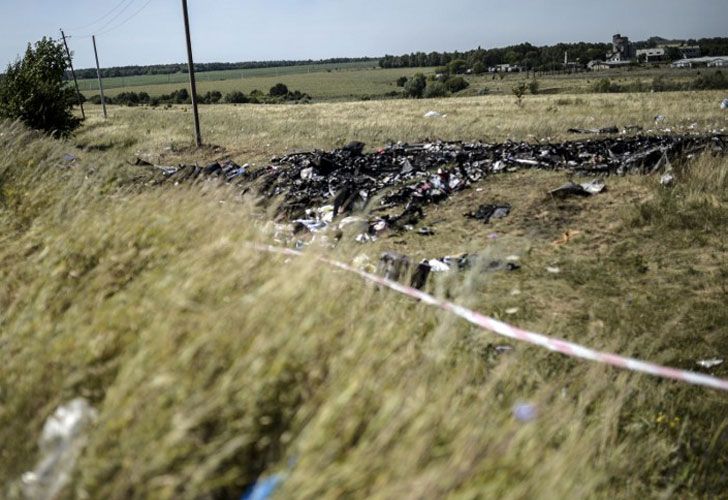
[[356, 82], [212, 365], [91, 84]]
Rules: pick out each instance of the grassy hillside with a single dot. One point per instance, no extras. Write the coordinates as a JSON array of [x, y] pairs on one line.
[[212, 365]]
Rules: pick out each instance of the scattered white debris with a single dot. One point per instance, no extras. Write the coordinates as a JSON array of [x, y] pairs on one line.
[[667, 180], [437, 266], [515, 292], [553, 270], [660, 118], [710, 363], [434, 114], [512, 311], [525, 412], [61, 442], [724, 104]]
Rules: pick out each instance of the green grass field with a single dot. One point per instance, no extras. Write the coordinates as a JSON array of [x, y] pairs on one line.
[[355, 81], [212, 365]]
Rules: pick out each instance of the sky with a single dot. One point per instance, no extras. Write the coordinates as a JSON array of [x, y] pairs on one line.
[[152, 32]]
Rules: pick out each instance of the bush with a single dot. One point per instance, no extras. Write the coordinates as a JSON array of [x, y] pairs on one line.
[[415, 86], [519, 91], [604, 86], [436, 89], [711, 81], [236, 97], [457, 67], [456, 84], [33, 90], [278, 90], [479, 68], [401, 81], [534, 86]]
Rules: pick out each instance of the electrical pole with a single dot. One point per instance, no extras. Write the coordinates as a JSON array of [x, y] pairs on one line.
[[70, 63], [98, 74], [191, 66]]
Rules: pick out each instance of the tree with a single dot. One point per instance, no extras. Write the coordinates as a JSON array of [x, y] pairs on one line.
[[236, 97], [415, 86], [34, 92], [401, 81], [457, 67], [456, 84], [436, 89], [278, 90], [519, 91], [479, 68]]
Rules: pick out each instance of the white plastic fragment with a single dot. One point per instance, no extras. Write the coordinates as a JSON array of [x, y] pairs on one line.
[[724, 104], [667, 179], [553, 270], [61, 442], [437, 266], [710, 363], [434, 114], [594, 187], [512, 311], [525, 412]]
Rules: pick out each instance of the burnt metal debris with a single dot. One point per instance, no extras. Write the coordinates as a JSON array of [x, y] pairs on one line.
[[490, 211], [408, 177]]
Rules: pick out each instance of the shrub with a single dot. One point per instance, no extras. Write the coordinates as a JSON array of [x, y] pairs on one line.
[[278, 90], [401, 81], [456, 84], [33, 90], [236, 97], [534, 86], [479, 68], [415, 86], [436, 89], [519, 91], [604, 86], [457, 67], [711, 81]]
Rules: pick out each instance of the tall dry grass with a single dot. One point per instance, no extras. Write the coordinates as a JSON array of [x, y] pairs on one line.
[[212, 364]]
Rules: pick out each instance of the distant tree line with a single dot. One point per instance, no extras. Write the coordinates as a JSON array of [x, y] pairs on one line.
[[167, 69], [532, 58], [279, 93]]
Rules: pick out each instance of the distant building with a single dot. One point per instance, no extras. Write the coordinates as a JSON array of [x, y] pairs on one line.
[[688, 52], [711, 62], [652, 55], [622, 49]]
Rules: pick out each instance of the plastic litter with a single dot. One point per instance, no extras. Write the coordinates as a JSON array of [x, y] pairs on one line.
[[263, 489], [724, 104], [553, 270], [710, 363], [667, 179], [511, 311], [491, 211], [525, 412], [61, 442], [660, 118], [434, 114]]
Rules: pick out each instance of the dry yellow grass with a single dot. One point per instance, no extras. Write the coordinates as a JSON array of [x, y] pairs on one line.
[[212, 365]]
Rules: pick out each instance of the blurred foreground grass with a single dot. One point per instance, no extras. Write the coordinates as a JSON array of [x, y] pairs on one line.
[[212, 364]]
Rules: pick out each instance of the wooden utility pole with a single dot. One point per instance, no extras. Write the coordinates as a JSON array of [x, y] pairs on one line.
[[191, 66], [75, 82], [98, 74]]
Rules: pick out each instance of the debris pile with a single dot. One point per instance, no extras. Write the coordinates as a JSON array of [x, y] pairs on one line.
[[411, 176]]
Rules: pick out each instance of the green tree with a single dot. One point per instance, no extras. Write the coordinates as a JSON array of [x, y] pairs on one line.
[[479, 68], [456, 84], [236, 97], [457, 67], [519, 91], [34, 92], [436, 89], [415, 86], [278, 90]]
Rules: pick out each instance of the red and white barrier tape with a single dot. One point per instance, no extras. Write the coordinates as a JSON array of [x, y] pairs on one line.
[[512, 332]]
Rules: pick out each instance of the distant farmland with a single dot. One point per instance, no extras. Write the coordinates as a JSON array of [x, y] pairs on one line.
[[325, 81]]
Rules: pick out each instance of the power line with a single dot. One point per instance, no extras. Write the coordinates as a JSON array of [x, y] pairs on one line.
[[116, 16], [78, 28], [136, 13]]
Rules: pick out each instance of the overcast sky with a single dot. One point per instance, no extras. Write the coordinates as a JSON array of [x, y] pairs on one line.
[[236, 30]]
